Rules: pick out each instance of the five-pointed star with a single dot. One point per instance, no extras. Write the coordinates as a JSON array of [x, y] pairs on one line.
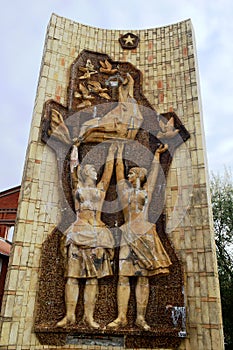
[[129, 40]]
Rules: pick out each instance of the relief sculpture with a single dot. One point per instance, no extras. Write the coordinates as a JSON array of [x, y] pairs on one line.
[[141, 251], [110, 262], [88, 243]]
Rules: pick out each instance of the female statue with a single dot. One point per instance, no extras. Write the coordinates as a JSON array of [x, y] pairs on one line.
[[88, 242], [141, 252]]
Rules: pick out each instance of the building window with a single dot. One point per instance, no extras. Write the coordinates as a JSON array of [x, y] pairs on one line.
[[10, 233]]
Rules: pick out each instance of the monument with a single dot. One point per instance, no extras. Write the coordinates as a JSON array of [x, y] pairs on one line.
[[114, 243]]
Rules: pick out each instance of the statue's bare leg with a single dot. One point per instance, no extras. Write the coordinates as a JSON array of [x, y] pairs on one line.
[[123, 293], [71, 298], [142, 297], [90, 294]]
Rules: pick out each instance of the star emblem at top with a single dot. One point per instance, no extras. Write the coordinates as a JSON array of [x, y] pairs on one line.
[[129, 41]]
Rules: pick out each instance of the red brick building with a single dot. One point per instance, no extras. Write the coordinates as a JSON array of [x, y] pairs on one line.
[[8, 209]]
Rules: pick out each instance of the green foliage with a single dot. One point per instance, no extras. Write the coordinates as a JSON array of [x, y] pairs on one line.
[[222, 204]]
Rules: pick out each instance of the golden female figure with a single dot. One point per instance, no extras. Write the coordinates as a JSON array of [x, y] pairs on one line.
[[141, 252], [88, 242]]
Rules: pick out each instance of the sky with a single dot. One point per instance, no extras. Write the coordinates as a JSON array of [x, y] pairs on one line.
[[23, 27]]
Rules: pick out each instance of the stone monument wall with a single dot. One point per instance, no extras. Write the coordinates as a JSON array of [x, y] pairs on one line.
[[166, 58]]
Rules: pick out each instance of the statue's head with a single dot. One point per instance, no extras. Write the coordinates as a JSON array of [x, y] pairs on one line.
[[137, 174], [88, 171]]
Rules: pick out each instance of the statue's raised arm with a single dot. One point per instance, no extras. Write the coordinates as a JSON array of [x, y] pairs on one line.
[[149, 186], [108, 169]]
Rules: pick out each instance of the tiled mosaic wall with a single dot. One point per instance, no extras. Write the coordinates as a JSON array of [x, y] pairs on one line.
[[166, 57]]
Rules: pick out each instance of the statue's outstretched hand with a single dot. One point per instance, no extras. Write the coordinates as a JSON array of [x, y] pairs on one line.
[[162, 148]]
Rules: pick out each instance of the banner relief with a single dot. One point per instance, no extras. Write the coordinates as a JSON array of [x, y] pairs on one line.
[[108, 268]]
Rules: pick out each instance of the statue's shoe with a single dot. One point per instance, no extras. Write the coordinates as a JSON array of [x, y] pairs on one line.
[[140, 322], [91, 323], [66, 321], [118, 322]]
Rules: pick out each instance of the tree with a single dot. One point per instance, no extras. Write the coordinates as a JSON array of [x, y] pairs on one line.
[[222, 204]]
